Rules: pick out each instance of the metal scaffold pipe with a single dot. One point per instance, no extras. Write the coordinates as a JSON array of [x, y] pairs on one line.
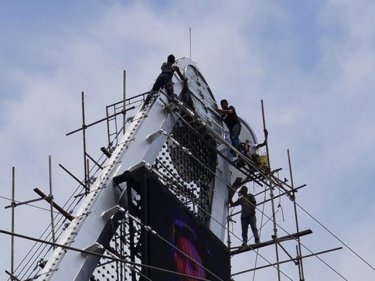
[[272, 199]]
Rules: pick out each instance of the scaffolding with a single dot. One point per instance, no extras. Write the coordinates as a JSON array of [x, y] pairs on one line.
[[186, 166]]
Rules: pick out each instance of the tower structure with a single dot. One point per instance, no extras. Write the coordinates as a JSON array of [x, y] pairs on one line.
[[155, 205]]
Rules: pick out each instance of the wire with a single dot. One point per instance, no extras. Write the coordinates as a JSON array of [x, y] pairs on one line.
[[111, 257], [225, 228], [325, 263], [73, 198], [337, 238], [260, 232], [277, 183], [28, 204], [150, 229], [41, 248]]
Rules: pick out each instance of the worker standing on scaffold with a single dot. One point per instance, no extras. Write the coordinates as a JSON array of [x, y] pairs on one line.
[[248, 203], [230, 118], [165, 77]]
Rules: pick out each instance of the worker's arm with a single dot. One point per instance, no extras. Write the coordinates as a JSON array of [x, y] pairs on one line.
[[232, 204], [177, 69], [265, 139], [225, 111]]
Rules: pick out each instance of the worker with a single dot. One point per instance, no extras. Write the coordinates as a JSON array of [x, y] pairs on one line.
[[231, 120], [251, 149], [248, 206], [164, 79]]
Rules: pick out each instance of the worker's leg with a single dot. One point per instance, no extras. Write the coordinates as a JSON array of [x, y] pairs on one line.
[[245, 228], [234, 136], [160, 82], [253, 225]]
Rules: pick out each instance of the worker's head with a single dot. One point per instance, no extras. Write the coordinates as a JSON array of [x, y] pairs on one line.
[[171, 58], [224, 104], [243, 190]]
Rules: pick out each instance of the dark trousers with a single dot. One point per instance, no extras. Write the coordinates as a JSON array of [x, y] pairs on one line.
[[234, 136], [245, 222], [160, 82]]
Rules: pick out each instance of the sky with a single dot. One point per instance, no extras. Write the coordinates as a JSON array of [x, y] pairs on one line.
[[311, 62]]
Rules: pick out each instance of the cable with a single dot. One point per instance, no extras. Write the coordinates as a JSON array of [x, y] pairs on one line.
[[40, 248], [150, 229], [264, 258], [277, 182], [325, 263], [336, 237], [111, 257], [205, 167], [74, 198], [260, 232], [28, 204]]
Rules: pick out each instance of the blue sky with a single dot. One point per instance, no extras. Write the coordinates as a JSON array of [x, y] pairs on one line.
[[312, 62]]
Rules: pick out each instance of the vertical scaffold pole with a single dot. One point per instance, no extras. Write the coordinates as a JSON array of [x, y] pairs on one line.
[[124, 105], [86, 181], [229, 242], [131, 233], [13, 213], [50, 194], [272, 200], [190, 40], [299, 250]]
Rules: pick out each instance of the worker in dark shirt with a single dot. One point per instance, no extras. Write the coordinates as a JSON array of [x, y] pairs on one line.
[[248, 206], [232, 121], [165, 77]]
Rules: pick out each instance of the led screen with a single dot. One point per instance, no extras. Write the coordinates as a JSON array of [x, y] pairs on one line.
[[177, 226]]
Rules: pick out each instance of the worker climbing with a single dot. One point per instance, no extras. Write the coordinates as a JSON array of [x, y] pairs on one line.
[[164, 80], [231, 120]]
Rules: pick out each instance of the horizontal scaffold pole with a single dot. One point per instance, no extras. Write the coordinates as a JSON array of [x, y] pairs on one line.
[[101, 120], [290, 260], [110, 257], [247, 248], [49, 199]]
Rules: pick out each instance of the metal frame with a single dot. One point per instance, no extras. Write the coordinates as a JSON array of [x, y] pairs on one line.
[[124, 233]]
